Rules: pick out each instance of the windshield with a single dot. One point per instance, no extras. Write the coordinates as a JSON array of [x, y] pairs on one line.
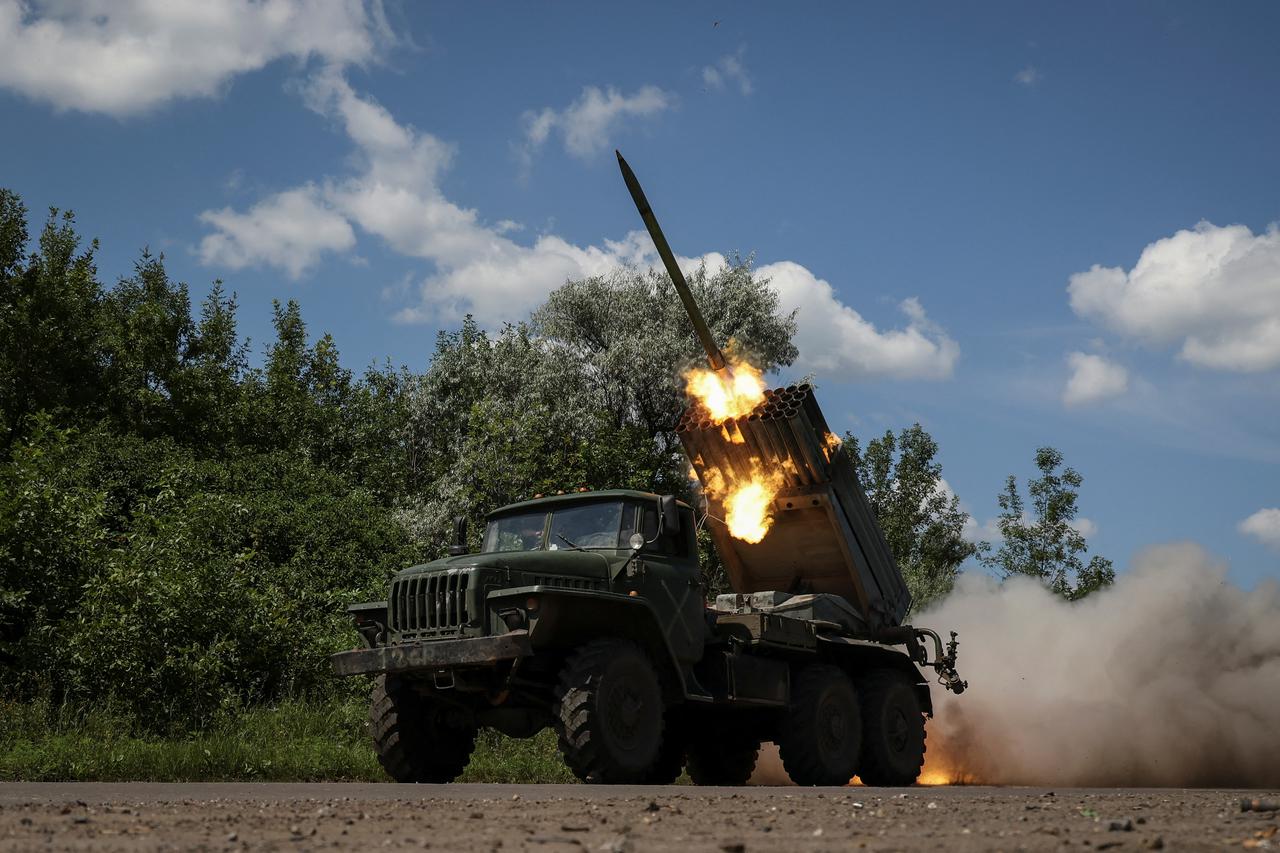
[[589, 526], [604, 524], [515, 532]]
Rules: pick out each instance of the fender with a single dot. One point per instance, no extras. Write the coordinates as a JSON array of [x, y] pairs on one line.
[[573, 616]]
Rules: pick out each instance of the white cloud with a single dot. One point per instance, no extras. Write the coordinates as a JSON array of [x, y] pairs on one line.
[[587, 124], [289, 230], [1263, 525], [393, 193], [835, 339], [1028, 76], [729, 71], [1212, 291], [1093, 379], [122, 57], [1086, 527]]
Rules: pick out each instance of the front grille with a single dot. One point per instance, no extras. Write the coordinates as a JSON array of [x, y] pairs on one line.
[[429, 604], [567, 583]]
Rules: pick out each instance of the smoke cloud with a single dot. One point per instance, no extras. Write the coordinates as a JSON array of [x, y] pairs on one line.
[[1169, 678]]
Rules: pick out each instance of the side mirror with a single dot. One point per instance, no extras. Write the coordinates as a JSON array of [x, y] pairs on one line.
[[669, 513], [459, 546], [636, 542]]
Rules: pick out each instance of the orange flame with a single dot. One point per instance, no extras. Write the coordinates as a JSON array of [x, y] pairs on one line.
[[727, 393], [748, 506]]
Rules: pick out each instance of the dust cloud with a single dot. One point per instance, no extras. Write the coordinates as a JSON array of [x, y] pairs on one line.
[[1169, 678]]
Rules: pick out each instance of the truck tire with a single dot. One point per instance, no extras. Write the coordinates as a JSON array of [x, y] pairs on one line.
[[413, 737], [608, 713], [821, 735], [723, 757], [892, 730]]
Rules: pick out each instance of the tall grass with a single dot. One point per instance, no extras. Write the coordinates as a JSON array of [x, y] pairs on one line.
[[296, 741]]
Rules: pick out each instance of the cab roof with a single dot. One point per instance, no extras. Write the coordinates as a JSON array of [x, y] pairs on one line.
[[579, 497]]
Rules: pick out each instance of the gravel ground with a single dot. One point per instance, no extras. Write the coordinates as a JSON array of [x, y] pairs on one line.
[[552, 818]]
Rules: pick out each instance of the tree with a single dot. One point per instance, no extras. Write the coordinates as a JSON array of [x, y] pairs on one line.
[[51, 357], [633, 340], [1045, 545], [920, 517]]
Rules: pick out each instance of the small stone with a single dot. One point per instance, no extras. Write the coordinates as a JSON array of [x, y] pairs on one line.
[[1125, 825], [652, 807], [734, 847], [1156, 843], [232, 837], [817, 832], [617, 844]]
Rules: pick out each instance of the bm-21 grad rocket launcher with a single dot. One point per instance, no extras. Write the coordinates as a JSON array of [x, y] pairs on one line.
[[585, 612]]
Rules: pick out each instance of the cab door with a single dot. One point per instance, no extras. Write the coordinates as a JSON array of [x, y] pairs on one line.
[[671, 581]]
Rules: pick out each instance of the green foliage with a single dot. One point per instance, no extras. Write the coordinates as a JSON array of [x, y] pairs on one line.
[[921, 518], [1045, 545], [51, 357], [287, 741]]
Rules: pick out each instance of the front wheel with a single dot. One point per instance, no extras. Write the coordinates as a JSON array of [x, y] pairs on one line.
[[821, 735], [418, 739], [609, 713]]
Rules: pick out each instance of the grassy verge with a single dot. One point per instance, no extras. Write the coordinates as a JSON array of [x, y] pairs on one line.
[[294, 741]]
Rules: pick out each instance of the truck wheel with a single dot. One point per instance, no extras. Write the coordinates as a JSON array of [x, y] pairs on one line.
[[821, 733], [609, 713], [414, 738], [893, 730], [723, 757]]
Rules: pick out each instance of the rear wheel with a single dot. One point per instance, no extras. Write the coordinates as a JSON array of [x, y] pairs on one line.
[[821, 735], [609, 713], [892, 729], [417, 739], [723, 755]]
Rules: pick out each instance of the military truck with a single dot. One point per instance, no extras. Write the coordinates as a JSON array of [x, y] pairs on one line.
[[586, 612]]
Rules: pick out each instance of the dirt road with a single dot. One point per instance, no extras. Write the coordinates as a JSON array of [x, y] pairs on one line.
[[554, 818]]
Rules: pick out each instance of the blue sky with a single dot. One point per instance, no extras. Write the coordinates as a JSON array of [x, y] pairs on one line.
[[1020, 224]]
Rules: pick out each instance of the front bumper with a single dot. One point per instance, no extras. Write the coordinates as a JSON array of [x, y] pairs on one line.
[[433, 655]]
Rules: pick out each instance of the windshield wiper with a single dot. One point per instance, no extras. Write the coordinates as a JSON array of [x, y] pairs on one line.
[[569, 542]]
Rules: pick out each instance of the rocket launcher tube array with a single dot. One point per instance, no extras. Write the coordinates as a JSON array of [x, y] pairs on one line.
[[825, 537]]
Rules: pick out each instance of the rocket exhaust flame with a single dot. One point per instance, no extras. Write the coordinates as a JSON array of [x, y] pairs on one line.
[[749, 506], [729, 393]]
